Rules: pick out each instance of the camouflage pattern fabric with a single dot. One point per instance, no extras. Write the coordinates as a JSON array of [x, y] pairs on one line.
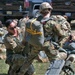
[[31, 57], [48, 47], [56, 30], [64, 26], [12, 42], [17, 60], [13, 46], [50, 28], [49, 50], [17, 63], [22, 24], [15, 52], [62, 21]]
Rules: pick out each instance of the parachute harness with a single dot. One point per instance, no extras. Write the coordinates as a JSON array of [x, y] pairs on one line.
[[31, 30]]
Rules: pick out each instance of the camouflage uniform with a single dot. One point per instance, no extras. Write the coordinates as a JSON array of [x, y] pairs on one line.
[[50, 27], [53, 29], [65, 26], [15, 53]]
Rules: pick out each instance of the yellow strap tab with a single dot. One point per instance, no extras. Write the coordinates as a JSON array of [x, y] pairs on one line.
[[31, 31]]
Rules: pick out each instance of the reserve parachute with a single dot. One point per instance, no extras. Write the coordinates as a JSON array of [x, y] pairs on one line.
[[34, 32]]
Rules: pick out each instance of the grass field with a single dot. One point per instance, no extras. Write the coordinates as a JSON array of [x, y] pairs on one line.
[[3, 67], [40, 68]]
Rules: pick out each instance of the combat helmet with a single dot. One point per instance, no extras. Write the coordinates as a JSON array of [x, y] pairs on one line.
[[45, 5]]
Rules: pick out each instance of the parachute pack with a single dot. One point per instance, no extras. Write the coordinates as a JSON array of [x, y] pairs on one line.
[[34, 32]]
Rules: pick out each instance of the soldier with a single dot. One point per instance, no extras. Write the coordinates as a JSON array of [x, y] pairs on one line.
[[14, 49], [50, 27]]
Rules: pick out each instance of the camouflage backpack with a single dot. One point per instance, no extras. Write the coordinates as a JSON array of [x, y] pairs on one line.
[[34, 32]]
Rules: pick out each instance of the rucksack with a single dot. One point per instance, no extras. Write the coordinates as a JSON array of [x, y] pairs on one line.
[[34, 32]]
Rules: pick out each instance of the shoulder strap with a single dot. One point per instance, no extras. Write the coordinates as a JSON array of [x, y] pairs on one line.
[[46, 20], [31, 30]]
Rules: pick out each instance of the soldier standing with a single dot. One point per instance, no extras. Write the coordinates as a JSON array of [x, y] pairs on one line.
[[50, 27], [14, 49]]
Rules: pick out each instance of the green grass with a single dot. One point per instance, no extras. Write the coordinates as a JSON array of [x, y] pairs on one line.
[[40, 68], [3, 67]]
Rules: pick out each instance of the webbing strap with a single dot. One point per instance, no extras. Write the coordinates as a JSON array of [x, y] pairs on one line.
[[32, 23], [31, 30]]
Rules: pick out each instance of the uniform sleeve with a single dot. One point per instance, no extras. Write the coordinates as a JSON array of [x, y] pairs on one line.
[[53, 27], [58, 30], [10, 43]]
